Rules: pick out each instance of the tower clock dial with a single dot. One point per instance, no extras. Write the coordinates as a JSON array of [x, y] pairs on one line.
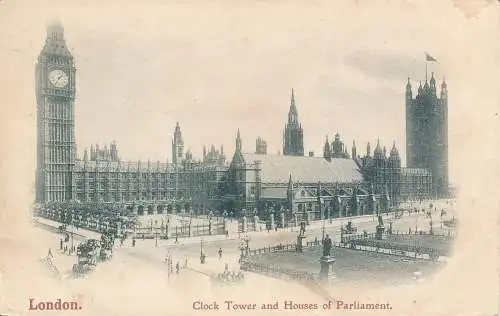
[[58, 78]]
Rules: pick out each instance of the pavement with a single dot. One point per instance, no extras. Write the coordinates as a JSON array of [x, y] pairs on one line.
[[154, 251]]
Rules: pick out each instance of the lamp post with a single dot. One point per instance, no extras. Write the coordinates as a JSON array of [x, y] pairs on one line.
[[323, 229], [247, 240], [202, 255]]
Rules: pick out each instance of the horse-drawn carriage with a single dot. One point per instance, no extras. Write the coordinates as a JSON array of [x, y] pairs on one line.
[[87, 257], [107, 242], [62, 228]]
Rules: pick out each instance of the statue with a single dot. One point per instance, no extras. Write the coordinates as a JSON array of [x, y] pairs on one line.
[[380, 221], [302, 228], [327, 246]]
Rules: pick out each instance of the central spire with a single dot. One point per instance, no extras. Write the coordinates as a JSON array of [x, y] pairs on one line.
[[293, 115], [238, 141], [293, 138]]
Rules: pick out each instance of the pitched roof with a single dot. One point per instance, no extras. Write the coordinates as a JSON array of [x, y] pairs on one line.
[[277, 169]]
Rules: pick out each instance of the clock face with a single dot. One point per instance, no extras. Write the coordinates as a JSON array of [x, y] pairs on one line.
[[58, 78]]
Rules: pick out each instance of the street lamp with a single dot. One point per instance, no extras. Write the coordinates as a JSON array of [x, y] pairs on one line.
[[247, 240], [323, 229], [202, 255]]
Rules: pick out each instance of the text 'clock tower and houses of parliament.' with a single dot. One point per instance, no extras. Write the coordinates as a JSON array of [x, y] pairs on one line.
[[427, 132], [55, 95]]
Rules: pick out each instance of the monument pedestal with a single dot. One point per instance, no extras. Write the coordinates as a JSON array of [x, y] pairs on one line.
[[380, 232], [300, 243], [327, 271]]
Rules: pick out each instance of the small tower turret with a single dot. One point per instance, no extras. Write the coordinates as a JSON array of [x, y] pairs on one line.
[[408, 90], [238, 141], [327, 154]]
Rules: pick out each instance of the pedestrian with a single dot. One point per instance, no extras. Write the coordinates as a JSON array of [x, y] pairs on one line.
[[185, 262], [60, 244], [50, 254], [176, 239], [133, 242], [177, 267], [220, 253]]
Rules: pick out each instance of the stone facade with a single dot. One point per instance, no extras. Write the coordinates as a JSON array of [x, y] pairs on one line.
[[101, 177], [55, 95], [427, 132], [316, 187]]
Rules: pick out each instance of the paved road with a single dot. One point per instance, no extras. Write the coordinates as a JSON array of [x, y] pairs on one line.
[[147, 250], [155, 252]]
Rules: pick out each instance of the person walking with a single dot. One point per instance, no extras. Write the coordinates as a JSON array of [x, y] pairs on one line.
[[177, 267], [220, 253]]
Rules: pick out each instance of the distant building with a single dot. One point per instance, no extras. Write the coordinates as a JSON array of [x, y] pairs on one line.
[[214, 156], [260, 146], [105, 154], [427, 132]]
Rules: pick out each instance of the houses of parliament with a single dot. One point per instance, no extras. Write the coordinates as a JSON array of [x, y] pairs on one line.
[[336, 184]]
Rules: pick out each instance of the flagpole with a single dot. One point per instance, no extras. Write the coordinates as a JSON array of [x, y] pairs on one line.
[[426, 70]]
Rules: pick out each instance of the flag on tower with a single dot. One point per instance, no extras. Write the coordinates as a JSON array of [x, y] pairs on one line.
[[429, 57]]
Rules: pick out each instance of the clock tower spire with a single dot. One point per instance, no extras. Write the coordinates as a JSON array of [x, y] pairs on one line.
[[55, 95]]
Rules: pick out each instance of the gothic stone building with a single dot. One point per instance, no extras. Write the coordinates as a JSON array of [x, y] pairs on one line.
[[427, 132], [311, 187], [145, 187], [335, 185]]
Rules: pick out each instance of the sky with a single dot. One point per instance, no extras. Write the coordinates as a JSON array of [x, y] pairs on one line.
[[217, 66]]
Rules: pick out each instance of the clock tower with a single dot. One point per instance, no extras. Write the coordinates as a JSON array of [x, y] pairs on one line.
[[55, 96]]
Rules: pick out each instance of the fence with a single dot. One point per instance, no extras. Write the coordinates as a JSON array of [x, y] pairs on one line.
[[396, 235], [362, 244], [217, 228], [276, 272], [281, 248]]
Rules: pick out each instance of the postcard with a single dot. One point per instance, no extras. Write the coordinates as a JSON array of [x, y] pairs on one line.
[[249, 157]]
